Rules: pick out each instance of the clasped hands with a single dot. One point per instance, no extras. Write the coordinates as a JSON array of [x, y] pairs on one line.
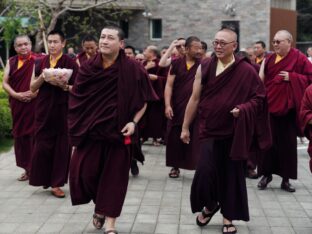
[[25, 96]]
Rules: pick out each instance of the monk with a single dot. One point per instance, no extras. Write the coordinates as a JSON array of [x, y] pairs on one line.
[[286, 74], [306, 119], [154, 119], [89, 47], [259, 51], [175, 50], [108, 100], [51, 153], [177, 92], [16, 81], [231, 104], [130, 51]]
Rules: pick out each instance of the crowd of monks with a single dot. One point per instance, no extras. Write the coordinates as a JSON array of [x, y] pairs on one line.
[[226, 115]]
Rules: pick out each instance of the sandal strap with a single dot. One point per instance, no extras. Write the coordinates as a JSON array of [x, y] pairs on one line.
[[210, 214], [227, 226]]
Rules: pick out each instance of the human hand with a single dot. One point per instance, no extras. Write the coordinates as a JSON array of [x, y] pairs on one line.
[[169, 112], [284, 74], [58, 82], [152, 77], [150, 64], [185, 136], [23, 96], [235, 112], [174, 43], [128, 129]]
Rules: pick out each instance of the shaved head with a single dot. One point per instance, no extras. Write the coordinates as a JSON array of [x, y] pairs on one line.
[[285, 34], [230, 30]]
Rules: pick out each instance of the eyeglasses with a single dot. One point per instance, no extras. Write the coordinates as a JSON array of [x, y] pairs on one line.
[[221, 43], [277, 41]]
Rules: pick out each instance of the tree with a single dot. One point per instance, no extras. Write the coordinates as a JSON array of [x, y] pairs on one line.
[[304, 9], [55, 11]]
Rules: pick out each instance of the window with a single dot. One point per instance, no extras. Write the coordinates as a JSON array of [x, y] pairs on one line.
[[124, 25], [155, 29]]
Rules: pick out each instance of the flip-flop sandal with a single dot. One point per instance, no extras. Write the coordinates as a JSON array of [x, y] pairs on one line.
[[227, 226], [174, 173], [205, 215], [98, 221]]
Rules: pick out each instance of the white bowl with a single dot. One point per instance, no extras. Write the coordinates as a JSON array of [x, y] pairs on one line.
[[57, 73]]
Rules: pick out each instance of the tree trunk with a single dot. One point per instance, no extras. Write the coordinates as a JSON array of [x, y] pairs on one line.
[[7, 47], [38, 42]]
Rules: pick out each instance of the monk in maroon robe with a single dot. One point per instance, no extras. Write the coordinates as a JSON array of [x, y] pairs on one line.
[[286, 74], [51, 153], [177, 92], [108, 99], [306, 119], [89, 47], [232, 118], [16, 82], [154, 118]]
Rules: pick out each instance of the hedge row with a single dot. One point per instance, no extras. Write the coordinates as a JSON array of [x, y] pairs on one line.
[[5, 113]]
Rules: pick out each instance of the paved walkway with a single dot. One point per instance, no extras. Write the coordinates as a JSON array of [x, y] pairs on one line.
[[154, 204]]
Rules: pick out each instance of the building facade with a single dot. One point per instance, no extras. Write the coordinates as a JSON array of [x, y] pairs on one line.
[[162, 21]]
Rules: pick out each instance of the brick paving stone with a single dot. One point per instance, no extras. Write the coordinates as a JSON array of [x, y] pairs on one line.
[[155, 204]]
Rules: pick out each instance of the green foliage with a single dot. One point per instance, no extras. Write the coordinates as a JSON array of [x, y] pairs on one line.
[[304, 9], [5, 113], [77, 24]]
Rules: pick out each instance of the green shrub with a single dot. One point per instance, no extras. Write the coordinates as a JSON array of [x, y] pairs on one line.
[[5, 113]]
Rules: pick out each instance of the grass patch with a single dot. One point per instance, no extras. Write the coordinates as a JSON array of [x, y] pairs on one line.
[[5, 144]]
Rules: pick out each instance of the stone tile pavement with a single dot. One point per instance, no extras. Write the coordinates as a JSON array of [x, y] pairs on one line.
[[154, 204]]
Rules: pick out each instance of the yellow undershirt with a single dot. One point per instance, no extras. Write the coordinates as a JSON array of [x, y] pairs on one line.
[[54, 62], [189, 65], [278, 58], [20, 62], [221, 67], [259, 60]]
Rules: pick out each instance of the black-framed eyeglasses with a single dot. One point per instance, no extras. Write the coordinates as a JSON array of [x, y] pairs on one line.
[[277, 41], [221, 43]]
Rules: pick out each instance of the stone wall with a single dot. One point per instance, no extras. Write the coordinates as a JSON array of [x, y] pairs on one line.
[[202, 18]]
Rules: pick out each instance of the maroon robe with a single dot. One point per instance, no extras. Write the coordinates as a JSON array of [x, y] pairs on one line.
[[284, 100], [103, 101], [226, 142], [305, 117], [154, 120], [82, 57], [22, 112], [51, 152], [179, 154]]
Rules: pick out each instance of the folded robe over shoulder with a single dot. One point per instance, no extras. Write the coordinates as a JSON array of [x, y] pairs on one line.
[[238, 86], [92, 96]]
